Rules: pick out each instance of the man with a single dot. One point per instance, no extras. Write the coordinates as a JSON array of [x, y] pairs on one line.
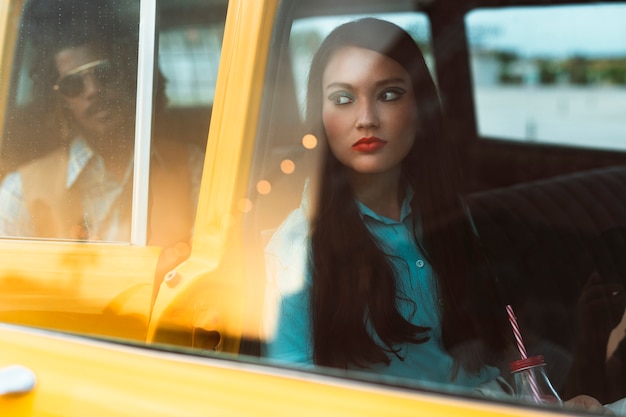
[[83, 189]]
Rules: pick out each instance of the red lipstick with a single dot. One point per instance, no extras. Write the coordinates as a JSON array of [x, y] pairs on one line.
[[370, 144]]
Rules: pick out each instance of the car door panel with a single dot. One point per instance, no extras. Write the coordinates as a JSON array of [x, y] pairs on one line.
[[79, 377], [95, 289]]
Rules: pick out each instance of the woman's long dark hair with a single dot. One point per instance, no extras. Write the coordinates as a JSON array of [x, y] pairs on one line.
[[354, 285]]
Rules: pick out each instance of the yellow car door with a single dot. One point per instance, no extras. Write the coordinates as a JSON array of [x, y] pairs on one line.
[[67, 376]]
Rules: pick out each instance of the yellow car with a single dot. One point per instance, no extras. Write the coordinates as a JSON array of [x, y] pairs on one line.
[[144, 320]]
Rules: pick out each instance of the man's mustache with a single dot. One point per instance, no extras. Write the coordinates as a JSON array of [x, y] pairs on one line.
[[100, 104]]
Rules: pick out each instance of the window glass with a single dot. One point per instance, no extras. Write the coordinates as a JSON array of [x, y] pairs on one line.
[[69, 139], [286, 177], [67, 152], [552, 75], [189, 46], [189, 58], [346, 255]]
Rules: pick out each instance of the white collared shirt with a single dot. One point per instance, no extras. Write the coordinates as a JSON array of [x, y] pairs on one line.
[[100, 191]]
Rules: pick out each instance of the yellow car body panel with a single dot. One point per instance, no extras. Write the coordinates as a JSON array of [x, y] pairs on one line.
[[208, 291], [84, 288], [78, 377]]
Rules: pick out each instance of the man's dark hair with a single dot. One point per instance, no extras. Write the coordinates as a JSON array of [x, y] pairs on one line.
[[53, 25]]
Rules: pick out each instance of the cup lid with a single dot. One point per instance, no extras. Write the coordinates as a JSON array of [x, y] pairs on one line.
[[526, 363]]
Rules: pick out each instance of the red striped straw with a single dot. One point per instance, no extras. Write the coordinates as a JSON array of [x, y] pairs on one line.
[[522, 351], [516, 332]]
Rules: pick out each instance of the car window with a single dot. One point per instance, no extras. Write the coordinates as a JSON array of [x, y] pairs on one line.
[[287, 166], [97, 194], [540, 243], [540, 76], [189, 58]]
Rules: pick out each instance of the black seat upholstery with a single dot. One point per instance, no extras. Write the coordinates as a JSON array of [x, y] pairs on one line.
[[545, 239]]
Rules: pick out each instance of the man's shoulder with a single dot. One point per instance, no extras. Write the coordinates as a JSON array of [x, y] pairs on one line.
[[43, 177], [41, 165]]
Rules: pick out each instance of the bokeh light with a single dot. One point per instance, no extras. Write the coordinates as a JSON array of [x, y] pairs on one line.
[[263, 187], [309, 141], [287, 166]]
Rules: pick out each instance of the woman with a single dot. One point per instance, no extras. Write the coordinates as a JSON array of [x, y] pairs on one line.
[[384, 273], [388, 215]]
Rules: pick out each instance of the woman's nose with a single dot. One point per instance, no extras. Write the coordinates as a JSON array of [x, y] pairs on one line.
[[367, 115]]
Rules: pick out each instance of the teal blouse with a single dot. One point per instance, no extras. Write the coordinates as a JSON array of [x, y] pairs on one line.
[[289, 328]]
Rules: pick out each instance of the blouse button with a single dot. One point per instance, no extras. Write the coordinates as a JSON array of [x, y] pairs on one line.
[[419, 263]]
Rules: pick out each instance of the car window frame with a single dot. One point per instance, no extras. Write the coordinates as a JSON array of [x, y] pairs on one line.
[[143, 121]]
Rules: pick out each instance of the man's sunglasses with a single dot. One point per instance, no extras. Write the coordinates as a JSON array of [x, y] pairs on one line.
[[72, 84]]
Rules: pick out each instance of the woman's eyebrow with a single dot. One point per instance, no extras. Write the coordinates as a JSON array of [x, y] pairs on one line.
[[380, 83], [395, 80], [334, 85]]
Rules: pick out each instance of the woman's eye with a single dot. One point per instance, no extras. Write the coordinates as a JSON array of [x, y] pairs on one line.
[[340, 98], [391, 94]]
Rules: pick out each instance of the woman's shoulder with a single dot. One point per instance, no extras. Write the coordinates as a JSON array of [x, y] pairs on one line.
[[287, 253], [292, 236]]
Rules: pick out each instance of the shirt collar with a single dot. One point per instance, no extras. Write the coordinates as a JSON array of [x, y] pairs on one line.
[[79, 156], [405, 210]]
